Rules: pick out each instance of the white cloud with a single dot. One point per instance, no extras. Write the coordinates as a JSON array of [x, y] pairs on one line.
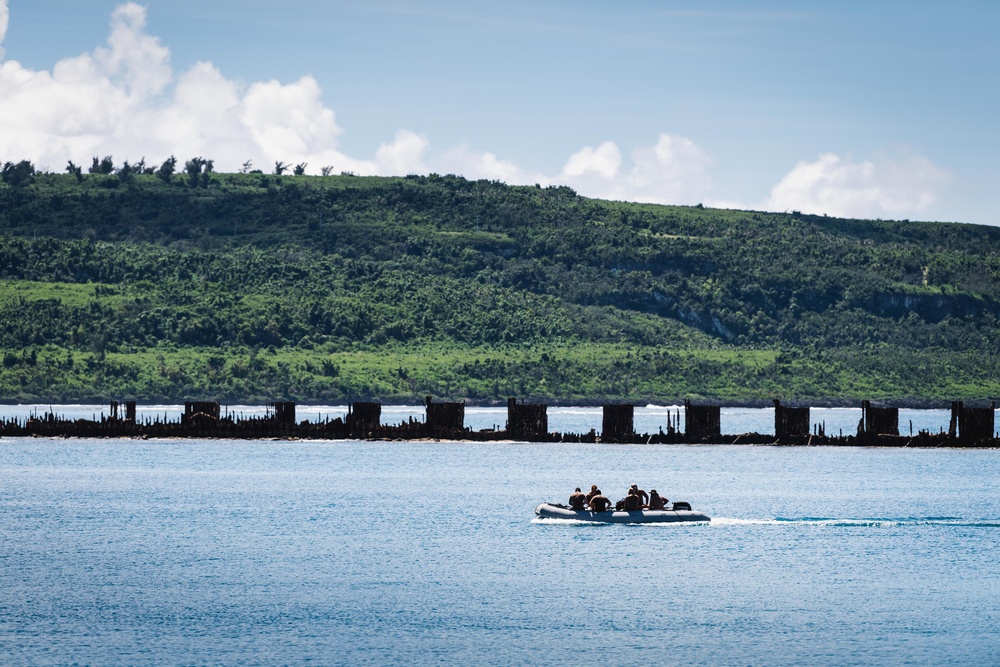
[[135, 60], [4, 18], [123, 99], [405, 155], [884, 186], [486, 165], [604, 161], [672, 171]]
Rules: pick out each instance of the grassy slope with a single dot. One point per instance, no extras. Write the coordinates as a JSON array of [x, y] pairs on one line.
[[344, 287]]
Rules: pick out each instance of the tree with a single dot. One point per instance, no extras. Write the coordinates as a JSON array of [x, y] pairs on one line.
[[247, 166], [193, 169], [280, 168], [166, 171], [300, 168], [18, 174], [208, 168], [105, 165], [198, 170], [75, 170], [327, 170], [126, 172]]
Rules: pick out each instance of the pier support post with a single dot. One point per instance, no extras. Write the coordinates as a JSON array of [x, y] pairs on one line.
[[528, 422], [617, 424], [701, 422]]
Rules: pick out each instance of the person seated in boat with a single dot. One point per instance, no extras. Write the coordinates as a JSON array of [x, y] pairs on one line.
[[643, 496], [577, 500], [599, 503], [655, 501], [593, 492], [633, 502]]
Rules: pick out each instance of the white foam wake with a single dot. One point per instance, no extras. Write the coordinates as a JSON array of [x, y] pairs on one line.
[[866, 522]]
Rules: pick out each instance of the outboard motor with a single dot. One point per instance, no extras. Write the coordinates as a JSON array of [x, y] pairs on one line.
[[678, 506]]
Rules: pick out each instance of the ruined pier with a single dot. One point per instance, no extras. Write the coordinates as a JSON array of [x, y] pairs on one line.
[[969, 426]]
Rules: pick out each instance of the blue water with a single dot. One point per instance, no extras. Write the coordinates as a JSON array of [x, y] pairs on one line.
[[221, 552]]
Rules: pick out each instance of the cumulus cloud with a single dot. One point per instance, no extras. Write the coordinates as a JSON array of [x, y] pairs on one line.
[[4, 18], [124, 99], [673, 170], [405, 155], [474, 164], [887, 185], [603, 161]]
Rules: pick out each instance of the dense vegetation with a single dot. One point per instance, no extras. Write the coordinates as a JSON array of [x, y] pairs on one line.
[[132, 282]]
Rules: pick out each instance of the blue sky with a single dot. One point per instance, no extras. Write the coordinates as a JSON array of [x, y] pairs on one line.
[[880, 110]]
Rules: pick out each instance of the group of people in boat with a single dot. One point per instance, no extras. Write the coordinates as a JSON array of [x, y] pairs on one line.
[[635, 500]]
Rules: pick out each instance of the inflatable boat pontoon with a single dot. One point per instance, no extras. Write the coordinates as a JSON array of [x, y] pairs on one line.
[[682, 513]]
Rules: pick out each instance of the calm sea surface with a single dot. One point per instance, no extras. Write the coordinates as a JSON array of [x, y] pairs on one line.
[[224, 552]]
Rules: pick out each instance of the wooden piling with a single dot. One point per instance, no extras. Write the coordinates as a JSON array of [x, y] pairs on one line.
[[617, 424], [363, 418], [444, 418], [790, 422], [876, 421], [975, 425], [528, 422], [701, 422]]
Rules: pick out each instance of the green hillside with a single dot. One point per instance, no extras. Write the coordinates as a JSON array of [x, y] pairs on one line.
[[261, 287]]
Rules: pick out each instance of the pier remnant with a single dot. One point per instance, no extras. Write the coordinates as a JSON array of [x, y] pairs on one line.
[[701, 422], [527, 421], [363, 417], [878, 421], [200, 413], [974, 424], [618, 423], [127, 416], [284, 412], [790, 422], [445, 417]]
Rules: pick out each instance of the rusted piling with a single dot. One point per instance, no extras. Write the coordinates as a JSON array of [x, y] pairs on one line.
[[200, 415], [970, 426], [363, 418], [975, 425], [444, 418], [284, 412], [702, 422], [528, 422], [617, 424], [790, 423], [876, 421]]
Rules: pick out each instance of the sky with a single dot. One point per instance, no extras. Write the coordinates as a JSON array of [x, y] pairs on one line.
[[849, 108]]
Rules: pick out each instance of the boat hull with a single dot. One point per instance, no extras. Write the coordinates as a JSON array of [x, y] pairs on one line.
[[549, 511]]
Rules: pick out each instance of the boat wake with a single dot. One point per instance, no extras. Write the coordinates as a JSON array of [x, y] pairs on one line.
[[871, 522], [549, 521], [818, 522]]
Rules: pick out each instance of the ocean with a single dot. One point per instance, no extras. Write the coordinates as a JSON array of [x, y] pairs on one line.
[[178, 552]]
